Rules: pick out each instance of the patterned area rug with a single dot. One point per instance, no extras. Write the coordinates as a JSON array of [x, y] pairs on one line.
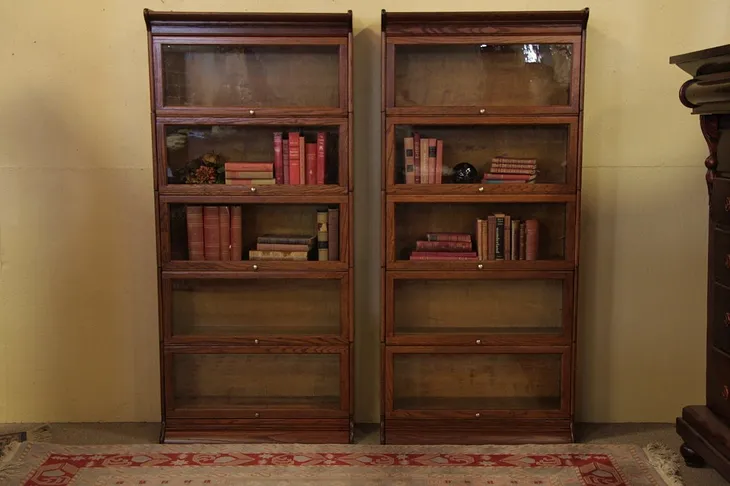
[[42, 464]]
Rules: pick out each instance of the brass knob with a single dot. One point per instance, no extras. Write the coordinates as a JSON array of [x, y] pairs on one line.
[[482, 111], [255, 341], [480, 266], [481, 189], [255, 267], [479, 341], [256, 415], [253, 189], [725, 392], [251, 112], [477, 415]]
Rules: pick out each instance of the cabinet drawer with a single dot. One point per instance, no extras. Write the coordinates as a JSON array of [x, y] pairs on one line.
[[721, 256], [718, 383], [721, 201], [475, 383], [262, 382], [265, 308], [479, 308], [721, 317]]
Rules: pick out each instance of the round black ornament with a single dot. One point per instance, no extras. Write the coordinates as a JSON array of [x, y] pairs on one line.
[[465, 173]]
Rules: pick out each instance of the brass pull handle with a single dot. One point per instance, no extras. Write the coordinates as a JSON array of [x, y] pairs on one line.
[[479, 341], [253, 189], [255, 267], [481, 189], [251, 112], [256, 415], [482, 111], [477, 415], [255, 341], [725, 392], [480, 266]]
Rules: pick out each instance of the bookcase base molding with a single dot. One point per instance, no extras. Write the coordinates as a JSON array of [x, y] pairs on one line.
[[311, 431], [477, 431]]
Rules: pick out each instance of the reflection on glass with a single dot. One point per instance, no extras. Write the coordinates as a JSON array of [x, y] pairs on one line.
[[483, 75]]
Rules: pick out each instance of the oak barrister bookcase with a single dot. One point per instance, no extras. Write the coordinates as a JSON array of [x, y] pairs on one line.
[[482, 117], [252, 130]]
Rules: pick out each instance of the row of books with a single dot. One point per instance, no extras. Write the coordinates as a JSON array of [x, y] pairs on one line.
[[424, 159], [214, 233], [324, 246], [505, 170], [499, 237]]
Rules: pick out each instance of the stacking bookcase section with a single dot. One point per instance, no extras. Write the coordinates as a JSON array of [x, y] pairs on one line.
[[256, 157], [252, 134], [471, 155], [481, 177]]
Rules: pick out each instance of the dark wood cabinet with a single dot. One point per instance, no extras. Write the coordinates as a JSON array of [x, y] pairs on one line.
[[255, 308], [706, 428], [479, 325]]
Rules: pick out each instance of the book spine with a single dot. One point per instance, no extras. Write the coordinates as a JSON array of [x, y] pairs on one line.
[[507, 237], [251, 182], [432, 146], [448, 237], [294, 158], [531, 237], [249, 166], [211, 228], [439, 162], [285, 159], [523, 239], [277, 255], [249, 175], [321, 156], [302, 160], [333, 234], [236, 236], [515, 230], [424, 255], [499, 238], [322, 236], [409, 167], [507, 177], [311, 162], [278, 158], [285, 240], [424, 161], [224, 217], [416, 158], [491, 233], [281, 247], [196, 238], [443, 245], [485, 239]]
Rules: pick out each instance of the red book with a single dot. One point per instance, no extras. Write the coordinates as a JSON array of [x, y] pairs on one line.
[[249, 166], [278, 158], [443, 245], [236, 236], [211, 229], [302, 160], [311, 162], [224, 217], [432, 147], [196, 240], [448, 237], [439, 161], [435, 255], [285, 157], [507, 177], [531, 239], [294, 158], [321, 157]]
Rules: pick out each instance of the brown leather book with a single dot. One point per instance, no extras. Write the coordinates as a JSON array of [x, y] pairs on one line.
[[196, 239], [224, 216], [236, 236], [321, 156], [211, 228], [311, 162], [333, 235], [532, 239]]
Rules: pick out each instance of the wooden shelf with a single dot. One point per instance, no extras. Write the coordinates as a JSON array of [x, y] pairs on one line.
[[480, 350], [253, 350]]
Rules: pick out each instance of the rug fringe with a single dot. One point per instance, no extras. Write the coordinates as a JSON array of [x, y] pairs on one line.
[[41, 433], [7, 467], [665, 461]]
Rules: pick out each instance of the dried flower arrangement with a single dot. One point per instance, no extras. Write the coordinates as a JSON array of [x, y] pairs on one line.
[[209, 168]]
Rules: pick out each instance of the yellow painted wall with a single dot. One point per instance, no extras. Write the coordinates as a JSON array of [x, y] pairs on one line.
[[78, 333]]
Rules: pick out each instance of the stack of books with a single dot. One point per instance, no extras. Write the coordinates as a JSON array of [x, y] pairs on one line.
[[283, 247], [250, 173], [511, 171], [424, 159], [444, 246]]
